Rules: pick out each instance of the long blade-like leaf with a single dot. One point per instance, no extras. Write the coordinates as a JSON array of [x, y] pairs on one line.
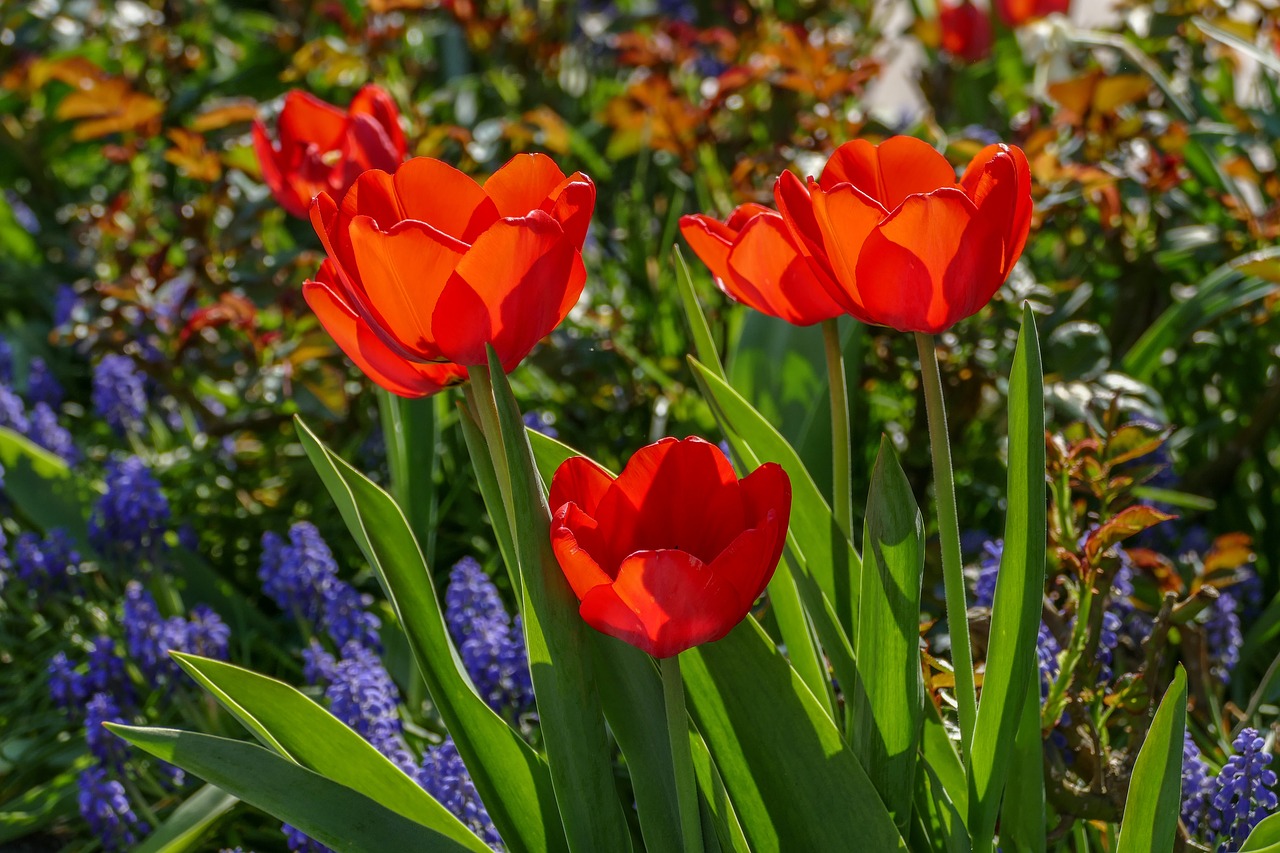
[[795, 783], [569, 709], [512, 780], [888, 700], [187, 826], [1152, 807], [1015, 613], [333, 814], [301, 730]]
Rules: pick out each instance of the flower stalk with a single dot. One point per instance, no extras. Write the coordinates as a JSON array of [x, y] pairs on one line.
[[681, 756], [842, 483], [949, 536]]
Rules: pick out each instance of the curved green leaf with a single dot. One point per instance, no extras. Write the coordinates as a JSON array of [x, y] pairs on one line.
[[793, 780], [1152, 807], [888, 698], [1015, 613], [43, 487], [1265, 837], [333, 814], [187, 826], [302, 731], [513, 781]]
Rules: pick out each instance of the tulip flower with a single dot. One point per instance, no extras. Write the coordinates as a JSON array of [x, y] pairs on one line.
[[905, 244], [757, 262], [426, 267], [1015, 13], [321, 148], [966, 30], [673, 552]]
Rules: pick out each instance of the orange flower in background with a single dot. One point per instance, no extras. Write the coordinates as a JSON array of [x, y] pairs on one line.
[[966, 30], [426, 268], [757, 262], [1015, 13], [905, 245], [321, 148], [674, 551]]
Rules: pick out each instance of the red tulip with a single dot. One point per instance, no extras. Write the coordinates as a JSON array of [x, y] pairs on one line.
[[1015, 13], [426, 268], [673, 552], [323, 149], [966, 30], [905, 244], [756, 262]]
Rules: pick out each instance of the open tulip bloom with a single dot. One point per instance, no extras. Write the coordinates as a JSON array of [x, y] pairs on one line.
[[322, 148], [426, 267], [674, 551]]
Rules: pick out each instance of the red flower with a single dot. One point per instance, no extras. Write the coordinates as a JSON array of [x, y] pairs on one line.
[[323, 149], [756, 262], [426, 267], [1015, 13], [966, 30], [905, 244], [673, 552]]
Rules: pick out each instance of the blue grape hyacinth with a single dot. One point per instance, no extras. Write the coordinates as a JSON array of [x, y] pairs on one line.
[[1197, 787], [119, 394], [106, 808], [130, 519], [490, 642], [445, 777], [1245, 790]]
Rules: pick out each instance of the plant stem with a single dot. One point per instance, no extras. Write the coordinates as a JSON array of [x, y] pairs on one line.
[[842, 484], [949, 534], [681, 757]]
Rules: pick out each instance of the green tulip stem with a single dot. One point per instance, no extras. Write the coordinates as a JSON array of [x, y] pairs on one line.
[[681, 756], [842, 484], [949, 534]]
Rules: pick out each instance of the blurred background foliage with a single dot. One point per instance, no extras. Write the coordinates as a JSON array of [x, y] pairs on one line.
[[133, 220]]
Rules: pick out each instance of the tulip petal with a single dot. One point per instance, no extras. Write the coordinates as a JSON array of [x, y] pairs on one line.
[[434, 192], [307, 120], [745, 565], [785, 283], [581, 481], [797, 208], [663, 602], [523, 184], [377, 103], [929, 264], [712, 241], [1001, 169], [744, 213], [673, 494], [368, 352], [374, 195], [366, 147], [571, 204], [846, 217], [273, 176], [510, 290], [889, 172], [402, 272], [576, 540]]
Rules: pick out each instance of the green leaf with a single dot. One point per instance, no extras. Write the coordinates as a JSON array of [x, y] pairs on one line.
[[1015, 613], [300, 730], [938, 825], [569, 709], [43, 488], [888, 698], [333, 814], [490, 492], [823, 563], [794, 782], [548, 453], [188, 825], [703, 344], [718, 813], [409, 432], [1152, 807], [512, 780], [1226, 289], [1022, 814], [1265, 837]]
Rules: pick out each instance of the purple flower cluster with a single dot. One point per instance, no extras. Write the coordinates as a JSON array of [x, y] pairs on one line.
[[119, 393], [445, 777], [984, 585], [1223, 636], [362, 694], [40, 425], [1225, 808], [106, 808], [542, 422], [490, 642], [149, 637], [130, 519], [301, 576], [42, 385], [46, 565]]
